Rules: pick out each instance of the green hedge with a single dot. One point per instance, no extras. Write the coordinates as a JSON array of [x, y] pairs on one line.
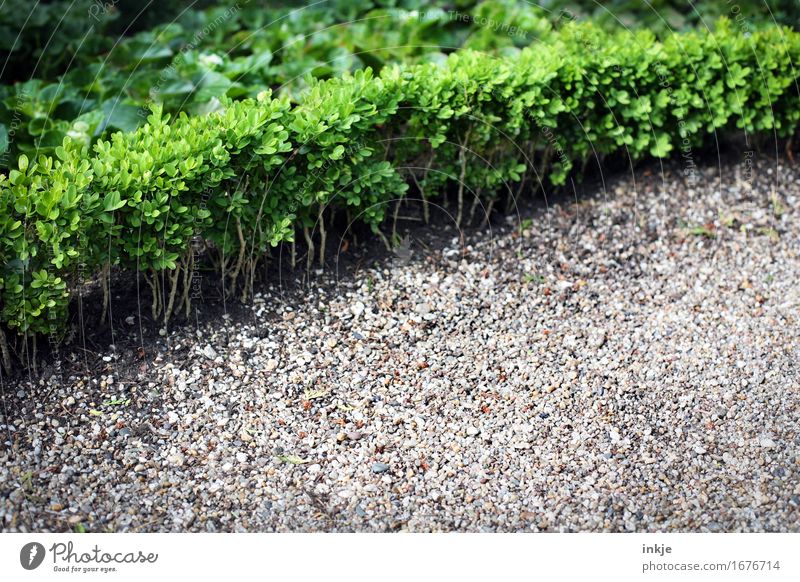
[[238, 50], [234, 51], [247, 179]]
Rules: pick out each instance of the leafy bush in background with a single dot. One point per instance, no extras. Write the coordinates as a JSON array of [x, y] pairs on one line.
[[237, 49], [666, 16], [232, 51], [58, 35], [39, 39], [259, 171], [44, 39]]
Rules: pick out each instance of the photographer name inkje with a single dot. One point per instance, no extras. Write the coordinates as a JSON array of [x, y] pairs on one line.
[[65, 555]]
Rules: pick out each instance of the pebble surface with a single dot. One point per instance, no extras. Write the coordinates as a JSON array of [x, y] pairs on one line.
[[626, 362]]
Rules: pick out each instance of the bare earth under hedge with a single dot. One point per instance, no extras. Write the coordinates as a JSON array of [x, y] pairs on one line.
[[629, 363]]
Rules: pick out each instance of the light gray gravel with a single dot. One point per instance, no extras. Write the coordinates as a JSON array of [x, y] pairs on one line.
[[627, 363]]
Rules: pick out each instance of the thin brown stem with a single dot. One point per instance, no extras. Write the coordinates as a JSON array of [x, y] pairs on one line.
[[323, 235], [310, 244], [5, 351], [173, 291], [153, 283], [242, 249], [104, 283], [188, 280]]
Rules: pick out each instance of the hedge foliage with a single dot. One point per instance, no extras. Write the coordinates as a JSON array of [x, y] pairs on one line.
[[237, 51], [249, 177], [241, 47]]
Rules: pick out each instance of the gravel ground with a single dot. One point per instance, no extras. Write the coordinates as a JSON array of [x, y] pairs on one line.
[[627, 363]]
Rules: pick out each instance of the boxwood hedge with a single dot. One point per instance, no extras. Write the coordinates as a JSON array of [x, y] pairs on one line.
[[250, 177]]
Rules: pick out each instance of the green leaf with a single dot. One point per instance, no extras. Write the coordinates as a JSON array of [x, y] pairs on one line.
[[4, 143], [120, 116], [662, 147], [212, 85], [113, 201], [338, 152]]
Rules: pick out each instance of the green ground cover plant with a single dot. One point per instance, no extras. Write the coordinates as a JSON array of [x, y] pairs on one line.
[[260, 171], [196, 58], [234, 51]]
